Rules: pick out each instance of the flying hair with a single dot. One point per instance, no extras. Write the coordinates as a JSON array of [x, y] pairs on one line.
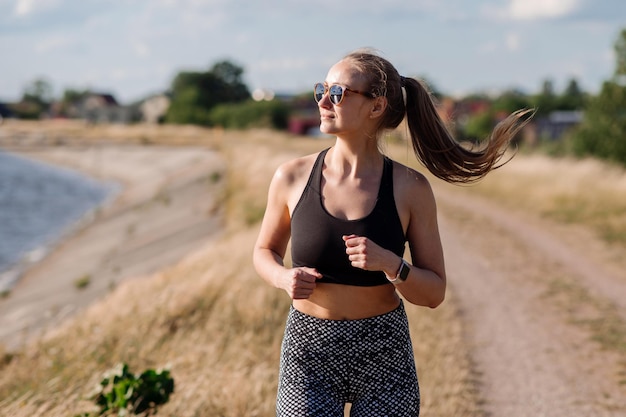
[[433, 144]]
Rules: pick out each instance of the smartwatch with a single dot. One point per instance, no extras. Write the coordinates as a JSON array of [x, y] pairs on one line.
[[403, 272]]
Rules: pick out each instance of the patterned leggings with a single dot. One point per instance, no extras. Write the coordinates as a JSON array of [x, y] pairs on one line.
[[327, 363]]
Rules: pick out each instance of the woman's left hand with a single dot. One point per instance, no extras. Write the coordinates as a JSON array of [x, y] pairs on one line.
[[365, 254]]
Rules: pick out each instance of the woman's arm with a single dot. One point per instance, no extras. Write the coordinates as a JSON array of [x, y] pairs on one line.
[[426, 282], [271, 244]]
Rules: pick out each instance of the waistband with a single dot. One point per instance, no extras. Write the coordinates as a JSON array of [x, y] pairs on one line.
[[396, 313]]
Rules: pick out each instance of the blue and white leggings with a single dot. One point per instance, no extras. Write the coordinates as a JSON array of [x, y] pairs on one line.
[[327, 363]]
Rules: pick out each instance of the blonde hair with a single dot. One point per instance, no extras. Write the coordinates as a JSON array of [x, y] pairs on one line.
[[433, 144]]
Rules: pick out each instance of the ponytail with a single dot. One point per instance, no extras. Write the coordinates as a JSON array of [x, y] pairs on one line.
[[432, 142], [440, 153]]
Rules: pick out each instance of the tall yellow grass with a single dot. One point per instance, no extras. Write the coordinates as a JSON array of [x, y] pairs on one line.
[[584, 192]]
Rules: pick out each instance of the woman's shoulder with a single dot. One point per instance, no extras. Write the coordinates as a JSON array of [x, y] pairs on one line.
[[412, 191], [408, 178], [295, 169]]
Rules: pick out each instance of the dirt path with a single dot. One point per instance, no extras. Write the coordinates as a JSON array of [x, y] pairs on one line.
[[544, 313]]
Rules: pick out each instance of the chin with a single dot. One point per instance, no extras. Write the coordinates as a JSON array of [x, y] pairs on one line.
[[327, 129]]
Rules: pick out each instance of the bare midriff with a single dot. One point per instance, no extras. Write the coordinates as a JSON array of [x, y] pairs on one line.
[[348, 302]]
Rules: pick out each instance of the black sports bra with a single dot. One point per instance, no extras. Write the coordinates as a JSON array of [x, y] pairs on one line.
[[316, 235]]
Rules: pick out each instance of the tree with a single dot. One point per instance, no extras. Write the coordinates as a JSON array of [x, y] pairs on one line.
[[194, 94], [478, 126], [546, 101], [71, 96], [269, 114], [39, 92], [510, 101], [603, 130], [36, 100], [231, 75], [573, 98], [191, 98], [620, 54]]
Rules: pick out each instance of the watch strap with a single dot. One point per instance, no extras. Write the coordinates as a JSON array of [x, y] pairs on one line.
[[402, 274]]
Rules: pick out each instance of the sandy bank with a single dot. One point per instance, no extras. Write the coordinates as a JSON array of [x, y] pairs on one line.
[[167, 209]]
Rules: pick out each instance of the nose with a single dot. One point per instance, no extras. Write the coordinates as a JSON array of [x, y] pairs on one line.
[[325, 101]]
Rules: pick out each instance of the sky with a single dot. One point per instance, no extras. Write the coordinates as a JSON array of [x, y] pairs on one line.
[[134, 48]]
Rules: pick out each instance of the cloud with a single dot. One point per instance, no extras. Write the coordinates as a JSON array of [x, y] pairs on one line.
[[28, 7], [23, 7], [512, 42], [25, 17], [55, 42], [488, 47], [541, 9], [141, 49]]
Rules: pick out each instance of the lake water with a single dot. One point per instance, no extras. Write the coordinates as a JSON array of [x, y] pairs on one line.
[[40, 203]]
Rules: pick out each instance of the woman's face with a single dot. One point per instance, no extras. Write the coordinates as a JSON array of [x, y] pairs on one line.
[[351, 116]]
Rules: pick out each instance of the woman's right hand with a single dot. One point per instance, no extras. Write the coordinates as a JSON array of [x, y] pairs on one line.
[[299, 282]]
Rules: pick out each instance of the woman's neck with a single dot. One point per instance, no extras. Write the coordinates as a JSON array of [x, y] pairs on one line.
[[355, 158]]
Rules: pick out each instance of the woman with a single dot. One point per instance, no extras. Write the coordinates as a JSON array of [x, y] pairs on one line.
[[349, 211]]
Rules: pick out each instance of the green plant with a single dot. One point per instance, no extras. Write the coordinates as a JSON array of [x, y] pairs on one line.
[[122, 392], [215, 177], [83, 281]]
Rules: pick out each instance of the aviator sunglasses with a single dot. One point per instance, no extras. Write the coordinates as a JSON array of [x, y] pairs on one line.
[[336, 92]]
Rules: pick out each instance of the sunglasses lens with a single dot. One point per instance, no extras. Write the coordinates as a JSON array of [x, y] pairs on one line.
[[335, 93], [318, 91]]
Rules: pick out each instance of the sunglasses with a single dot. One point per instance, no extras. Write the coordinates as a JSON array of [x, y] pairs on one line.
[[336, 92]]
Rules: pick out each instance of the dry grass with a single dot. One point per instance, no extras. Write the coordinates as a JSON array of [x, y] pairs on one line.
[[218, 326], [586, 192]]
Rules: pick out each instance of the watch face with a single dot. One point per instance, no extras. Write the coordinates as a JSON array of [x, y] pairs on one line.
[[404, 271]]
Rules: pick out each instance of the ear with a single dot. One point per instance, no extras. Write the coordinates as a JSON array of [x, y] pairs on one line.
[[378, 107]]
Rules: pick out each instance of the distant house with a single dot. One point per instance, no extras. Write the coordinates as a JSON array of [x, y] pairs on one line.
[[103, 108], [557, 123], [154, 108], [304, 117]]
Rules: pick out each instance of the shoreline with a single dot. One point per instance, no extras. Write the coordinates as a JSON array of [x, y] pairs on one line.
[[11, 273], [166, 206]]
